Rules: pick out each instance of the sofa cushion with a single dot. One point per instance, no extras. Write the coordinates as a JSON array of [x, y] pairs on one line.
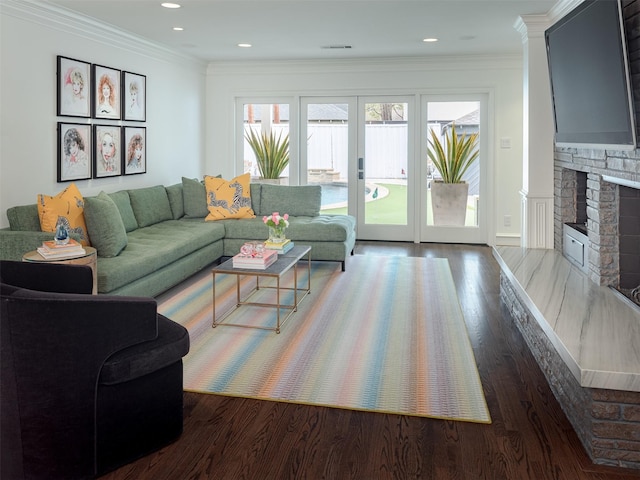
[[228, 198], [301, 200], [123, 202], [148, 250], [105, 225], [68, 205], [256, 190], [150, 205], [176, 200], [24, 218], [195, 198]]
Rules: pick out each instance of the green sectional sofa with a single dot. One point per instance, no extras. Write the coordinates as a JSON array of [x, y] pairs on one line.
[[150, 239]]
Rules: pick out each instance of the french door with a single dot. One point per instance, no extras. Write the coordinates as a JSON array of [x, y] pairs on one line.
[[360, 150]]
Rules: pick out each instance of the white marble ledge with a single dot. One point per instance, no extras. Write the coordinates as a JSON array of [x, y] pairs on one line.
[[596, 332]]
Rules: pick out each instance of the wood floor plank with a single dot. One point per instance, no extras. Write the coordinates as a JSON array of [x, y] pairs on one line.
[[530, 437]]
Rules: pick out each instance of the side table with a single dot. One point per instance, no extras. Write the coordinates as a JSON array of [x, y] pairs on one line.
[[89, 258]]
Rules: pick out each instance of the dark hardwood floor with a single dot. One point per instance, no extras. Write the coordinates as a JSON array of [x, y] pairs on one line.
[[530, 437]]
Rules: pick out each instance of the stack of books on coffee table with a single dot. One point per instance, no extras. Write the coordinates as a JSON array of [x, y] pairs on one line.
[[283, 247], [255, 262], [50, 250]]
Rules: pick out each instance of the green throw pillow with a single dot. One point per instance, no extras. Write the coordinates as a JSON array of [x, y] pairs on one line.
[[195, 198], [122, 201], [150, 205], [176, 200], [104, 224]]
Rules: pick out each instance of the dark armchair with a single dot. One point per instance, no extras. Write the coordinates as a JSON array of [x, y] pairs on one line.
[[89, 382]]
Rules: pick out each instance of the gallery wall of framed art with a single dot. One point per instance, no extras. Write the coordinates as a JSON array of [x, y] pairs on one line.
[[104, 144]]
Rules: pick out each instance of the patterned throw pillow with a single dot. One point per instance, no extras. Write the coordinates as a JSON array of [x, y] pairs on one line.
[[228, 198], [68, 205]]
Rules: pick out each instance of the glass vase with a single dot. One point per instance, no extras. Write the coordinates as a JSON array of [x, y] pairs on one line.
[[276, 234]]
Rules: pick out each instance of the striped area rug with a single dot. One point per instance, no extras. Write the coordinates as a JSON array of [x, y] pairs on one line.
[[387, 335]]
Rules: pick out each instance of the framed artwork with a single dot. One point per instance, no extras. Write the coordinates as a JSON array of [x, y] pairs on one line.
[[134, 97], [134, 146], [106, 93], [107, 158], [74, 151], [74, 88]]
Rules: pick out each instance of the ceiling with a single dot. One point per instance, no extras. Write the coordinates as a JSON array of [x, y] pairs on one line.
[[303, 29]]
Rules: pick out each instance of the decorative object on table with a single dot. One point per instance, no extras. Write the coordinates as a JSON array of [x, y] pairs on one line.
[[62, 233], [74, 88], [452, 160], [74, 151], [272, 153], [254, 256], [281, 248], [52, 250], [277, 225]]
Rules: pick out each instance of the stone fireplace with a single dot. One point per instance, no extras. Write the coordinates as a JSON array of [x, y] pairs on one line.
[[597, 193]]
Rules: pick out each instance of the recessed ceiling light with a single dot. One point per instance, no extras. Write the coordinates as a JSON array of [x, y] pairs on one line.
[[170, 5], [244, 45], [178, 29], [429, 40]]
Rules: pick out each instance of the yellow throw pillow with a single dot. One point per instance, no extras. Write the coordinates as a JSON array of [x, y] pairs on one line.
[[68, 205], [228, 198]]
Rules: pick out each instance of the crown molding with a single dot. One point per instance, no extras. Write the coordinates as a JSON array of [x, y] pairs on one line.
[[68, 21]]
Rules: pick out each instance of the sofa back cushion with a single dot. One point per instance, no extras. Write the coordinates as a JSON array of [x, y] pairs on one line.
[[123, 202], [176, 200], [195, 198], [150, 205], [301, 200], [24, 218], [105, 225]]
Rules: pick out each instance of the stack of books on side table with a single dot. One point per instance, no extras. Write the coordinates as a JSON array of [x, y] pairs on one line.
[[50, 250], [255, 261], [283, 247]]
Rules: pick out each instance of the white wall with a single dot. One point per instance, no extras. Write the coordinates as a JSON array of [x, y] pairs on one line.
[[501, 78], [31, 36]]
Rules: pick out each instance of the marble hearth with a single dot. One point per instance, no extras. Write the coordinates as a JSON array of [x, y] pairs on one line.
[[586, 339]]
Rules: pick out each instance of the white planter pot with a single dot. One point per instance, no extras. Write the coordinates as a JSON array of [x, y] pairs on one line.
[[449, 203], [271, 181]]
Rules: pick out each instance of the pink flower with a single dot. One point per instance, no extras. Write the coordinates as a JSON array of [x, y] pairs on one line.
[[265, 219], [286, 216]]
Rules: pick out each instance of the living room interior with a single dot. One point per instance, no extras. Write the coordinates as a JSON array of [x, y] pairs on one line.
[[195, 92]]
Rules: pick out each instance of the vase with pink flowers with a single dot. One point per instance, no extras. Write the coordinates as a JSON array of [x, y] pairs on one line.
[[277, 225]]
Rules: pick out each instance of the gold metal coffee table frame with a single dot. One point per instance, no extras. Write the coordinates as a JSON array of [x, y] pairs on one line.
[[282, 265]]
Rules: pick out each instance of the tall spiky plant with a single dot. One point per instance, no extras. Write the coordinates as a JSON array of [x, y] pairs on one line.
[[272, 153], [453, 159]]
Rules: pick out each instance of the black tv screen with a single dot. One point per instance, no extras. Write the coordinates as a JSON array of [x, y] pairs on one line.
[[590, 87]]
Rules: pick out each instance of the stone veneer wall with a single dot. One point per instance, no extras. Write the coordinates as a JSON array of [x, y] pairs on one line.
[[606, 421]]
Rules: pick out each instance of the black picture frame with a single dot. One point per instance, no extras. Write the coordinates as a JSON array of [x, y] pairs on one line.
[[107, 153], [73, 87], [134, 97], [106, 107], [134, 148], [74, 151]]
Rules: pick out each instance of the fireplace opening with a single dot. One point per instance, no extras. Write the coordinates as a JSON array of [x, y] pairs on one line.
[[629, 242]]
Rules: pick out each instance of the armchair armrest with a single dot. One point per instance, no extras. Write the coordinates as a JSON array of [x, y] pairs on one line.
[[47, 277]]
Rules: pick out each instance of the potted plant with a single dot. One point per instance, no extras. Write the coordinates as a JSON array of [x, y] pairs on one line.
[[271, 151], [452, 160]]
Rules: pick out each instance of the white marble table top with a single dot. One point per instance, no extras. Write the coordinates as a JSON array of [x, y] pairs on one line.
[[596, 332]]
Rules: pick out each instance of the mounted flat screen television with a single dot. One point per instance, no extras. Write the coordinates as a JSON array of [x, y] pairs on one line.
[[589, 72]]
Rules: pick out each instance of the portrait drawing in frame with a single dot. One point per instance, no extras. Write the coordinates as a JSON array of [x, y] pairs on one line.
[[74, 151], [106, 93], [107, 158], [134, 97], [134, 148], [74, 88]]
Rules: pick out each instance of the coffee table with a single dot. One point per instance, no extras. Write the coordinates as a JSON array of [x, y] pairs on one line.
[[282, 265]]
